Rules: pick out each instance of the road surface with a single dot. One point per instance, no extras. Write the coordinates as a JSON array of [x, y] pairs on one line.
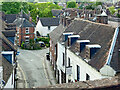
[[32, 64]]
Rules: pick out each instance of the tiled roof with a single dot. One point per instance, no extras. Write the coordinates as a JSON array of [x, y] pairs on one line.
[[56, 33], [9, 33], [50, 21], [7, 69], [22, 22], [2, 25], [106, 83], [10, 44], [97, 34], [56, 12], [9, 18]]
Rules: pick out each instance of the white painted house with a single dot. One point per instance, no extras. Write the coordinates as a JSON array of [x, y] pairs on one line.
[[88, 51], [46, 25]]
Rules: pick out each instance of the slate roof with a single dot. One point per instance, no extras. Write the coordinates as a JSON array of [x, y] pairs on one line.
[[7, 69], [105, 83], [97, 34], [50, 21], [56, 33], [56, 12], [9, 18], [2, 25], [22, 22], [9, 33], [26, 16], [8, 43]]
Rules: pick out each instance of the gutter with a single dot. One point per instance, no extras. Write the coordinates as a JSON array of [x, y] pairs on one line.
[[112, 46]]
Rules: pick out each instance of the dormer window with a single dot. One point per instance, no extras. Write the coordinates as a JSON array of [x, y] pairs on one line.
[[72, 39], [66, 34], [91, 50], [82, 44], [27, 30]]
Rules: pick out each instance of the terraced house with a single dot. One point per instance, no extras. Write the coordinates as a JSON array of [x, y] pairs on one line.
[[8, 62], [85, 50]]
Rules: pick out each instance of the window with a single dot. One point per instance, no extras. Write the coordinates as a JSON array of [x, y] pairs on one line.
[[87, 77], [63, 59], [48, 27], [27, 39], [27, 30], [78, 73], [68, 62]]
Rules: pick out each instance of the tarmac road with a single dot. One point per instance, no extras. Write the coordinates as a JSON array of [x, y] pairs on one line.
[[32, 65]]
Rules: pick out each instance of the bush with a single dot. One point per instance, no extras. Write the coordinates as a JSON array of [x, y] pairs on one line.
[[112, 10], [71, 4], [47, 45], [22, 45], [44, 39]]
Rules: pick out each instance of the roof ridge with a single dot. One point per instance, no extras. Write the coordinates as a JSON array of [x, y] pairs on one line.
[[94, 22]]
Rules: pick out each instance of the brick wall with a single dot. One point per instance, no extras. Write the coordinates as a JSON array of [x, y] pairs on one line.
[[22, 34]]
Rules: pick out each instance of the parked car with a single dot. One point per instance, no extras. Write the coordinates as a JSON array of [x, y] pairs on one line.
[[42, 44]]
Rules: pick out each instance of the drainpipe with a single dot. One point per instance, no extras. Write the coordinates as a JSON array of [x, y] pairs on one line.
[[65, 60]]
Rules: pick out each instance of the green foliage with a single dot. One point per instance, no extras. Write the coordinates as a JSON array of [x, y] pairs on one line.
[[47, 45], [89, 7], [71, 4], [22, 45], [112, 10], [41, 9], [118, 15], [31, 42], [45, 40], [11, 7]]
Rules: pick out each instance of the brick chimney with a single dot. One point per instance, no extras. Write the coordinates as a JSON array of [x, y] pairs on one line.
[[102, 18], [30, 19], [68, 21], [64, 21], [73, 14]]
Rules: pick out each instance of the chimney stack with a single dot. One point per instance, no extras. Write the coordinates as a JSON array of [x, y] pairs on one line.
[[30, 19], [103, 18]]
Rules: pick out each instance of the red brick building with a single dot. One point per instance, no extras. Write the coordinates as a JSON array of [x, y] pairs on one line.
[[24, 29]]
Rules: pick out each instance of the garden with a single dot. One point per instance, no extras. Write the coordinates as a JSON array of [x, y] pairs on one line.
[[36, 44]]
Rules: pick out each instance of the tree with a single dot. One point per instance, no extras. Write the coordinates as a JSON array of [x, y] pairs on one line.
[[41, 9], [11, 7], [71, 4], [112, 10]]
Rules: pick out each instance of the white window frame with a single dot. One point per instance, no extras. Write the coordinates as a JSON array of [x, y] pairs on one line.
[[27, 39], [27, 30]]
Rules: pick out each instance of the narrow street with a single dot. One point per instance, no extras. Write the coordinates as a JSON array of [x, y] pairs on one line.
[[33, 68]]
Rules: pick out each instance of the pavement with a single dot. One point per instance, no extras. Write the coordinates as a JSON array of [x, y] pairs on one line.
[[21, 82], [50, 72], [33, 76]]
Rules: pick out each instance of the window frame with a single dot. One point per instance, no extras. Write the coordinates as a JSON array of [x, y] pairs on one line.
[[27, 30]]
